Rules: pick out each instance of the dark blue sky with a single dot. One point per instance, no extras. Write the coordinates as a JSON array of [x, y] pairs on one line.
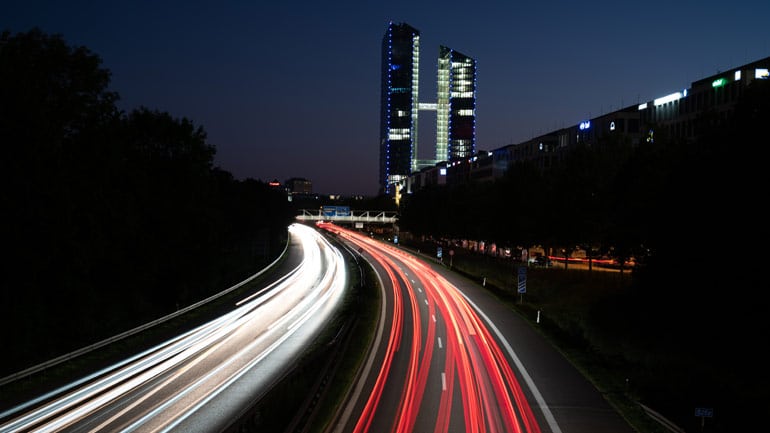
[[291, 89]]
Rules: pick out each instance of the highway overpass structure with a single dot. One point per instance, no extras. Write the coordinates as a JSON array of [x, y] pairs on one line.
[[349, 216]]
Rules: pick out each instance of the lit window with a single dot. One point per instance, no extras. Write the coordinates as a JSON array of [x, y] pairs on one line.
[[462, 94], [761, 73], [668, 98], [398, 134]]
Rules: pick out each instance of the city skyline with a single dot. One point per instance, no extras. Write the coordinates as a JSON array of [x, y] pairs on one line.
[[454, 131], [292, 90]]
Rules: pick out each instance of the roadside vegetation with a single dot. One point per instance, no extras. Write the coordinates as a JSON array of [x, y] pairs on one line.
[[633, 349], [113, 219], [110, 219], [685, 325]]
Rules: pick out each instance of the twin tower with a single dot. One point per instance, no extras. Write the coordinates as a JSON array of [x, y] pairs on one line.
[[455, 106]]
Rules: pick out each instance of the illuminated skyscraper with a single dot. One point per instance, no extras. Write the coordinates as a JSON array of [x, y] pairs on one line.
[[455, 106], [399, 104]]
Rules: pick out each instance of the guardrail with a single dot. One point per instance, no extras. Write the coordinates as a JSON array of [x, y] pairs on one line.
[[84, 350], [670, 426]]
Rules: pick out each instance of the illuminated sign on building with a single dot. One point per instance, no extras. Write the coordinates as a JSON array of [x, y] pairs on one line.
[[585, 125], [719, 82]]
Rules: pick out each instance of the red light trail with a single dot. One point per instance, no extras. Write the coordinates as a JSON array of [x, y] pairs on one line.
[[490, 395]]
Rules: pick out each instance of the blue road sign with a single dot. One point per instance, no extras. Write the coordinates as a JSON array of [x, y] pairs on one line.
[[705, 412], [522, 279]]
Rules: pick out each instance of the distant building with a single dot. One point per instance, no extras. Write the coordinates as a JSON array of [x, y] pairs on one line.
[[399, 104], [299, 185], [708, 102], [455, 107], [683, 115]]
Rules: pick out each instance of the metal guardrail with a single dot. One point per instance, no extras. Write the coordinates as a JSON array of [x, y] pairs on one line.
[[84, 350], [660, 419]]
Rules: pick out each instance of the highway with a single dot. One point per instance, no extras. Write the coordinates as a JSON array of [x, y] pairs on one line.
[[442, 369], [448, 357], [200, 381]]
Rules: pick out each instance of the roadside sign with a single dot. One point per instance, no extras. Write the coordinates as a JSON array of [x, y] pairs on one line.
[[705, 412], [438, 252], [522, 279]]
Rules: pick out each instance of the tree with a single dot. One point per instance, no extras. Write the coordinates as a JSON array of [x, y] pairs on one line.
[[111, 219], [53, 97]]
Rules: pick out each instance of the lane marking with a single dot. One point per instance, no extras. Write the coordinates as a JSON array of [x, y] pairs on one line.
[[550, 419]]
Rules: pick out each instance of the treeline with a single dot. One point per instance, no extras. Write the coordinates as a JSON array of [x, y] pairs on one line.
[[691, 213], [110, 219], [669, 203]]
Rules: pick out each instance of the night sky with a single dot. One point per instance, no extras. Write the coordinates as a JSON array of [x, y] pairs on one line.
[[291, 88]]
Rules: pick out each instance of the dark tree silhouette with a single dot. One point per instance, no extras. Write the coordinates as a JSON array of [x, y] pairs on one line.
[[110, 219]]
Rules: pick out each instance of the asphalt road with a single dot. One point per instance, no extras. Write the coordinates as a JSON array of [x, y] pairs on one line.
[[202, 380], [417, 374], [574, 403]]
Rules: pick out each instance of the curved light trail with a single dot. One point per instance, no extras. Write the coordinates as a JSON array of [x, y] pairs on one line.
[[449, 344], [165, 387]]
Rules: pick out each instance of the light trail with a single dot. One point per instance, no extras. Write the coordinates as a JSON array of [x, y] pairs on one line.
[[160, 388], [490, 398]]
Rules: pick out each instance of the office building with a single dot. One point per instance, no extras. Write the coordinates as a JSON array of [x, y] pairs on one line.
[[299, 185], [399, 104], [685, 115], [455, 107]]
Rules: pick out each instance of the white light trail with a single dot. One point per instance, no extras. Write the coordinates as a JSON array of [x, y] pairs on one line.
[[170, 379]]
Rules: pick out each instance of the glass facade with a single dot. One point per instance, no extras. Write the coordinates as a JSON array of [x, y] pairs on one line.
[[399, 104], [456, 106]]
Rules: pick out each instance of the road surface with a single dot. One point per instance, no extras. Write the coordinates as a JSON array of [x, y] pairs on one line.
[[449, 357], [202, 380]]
